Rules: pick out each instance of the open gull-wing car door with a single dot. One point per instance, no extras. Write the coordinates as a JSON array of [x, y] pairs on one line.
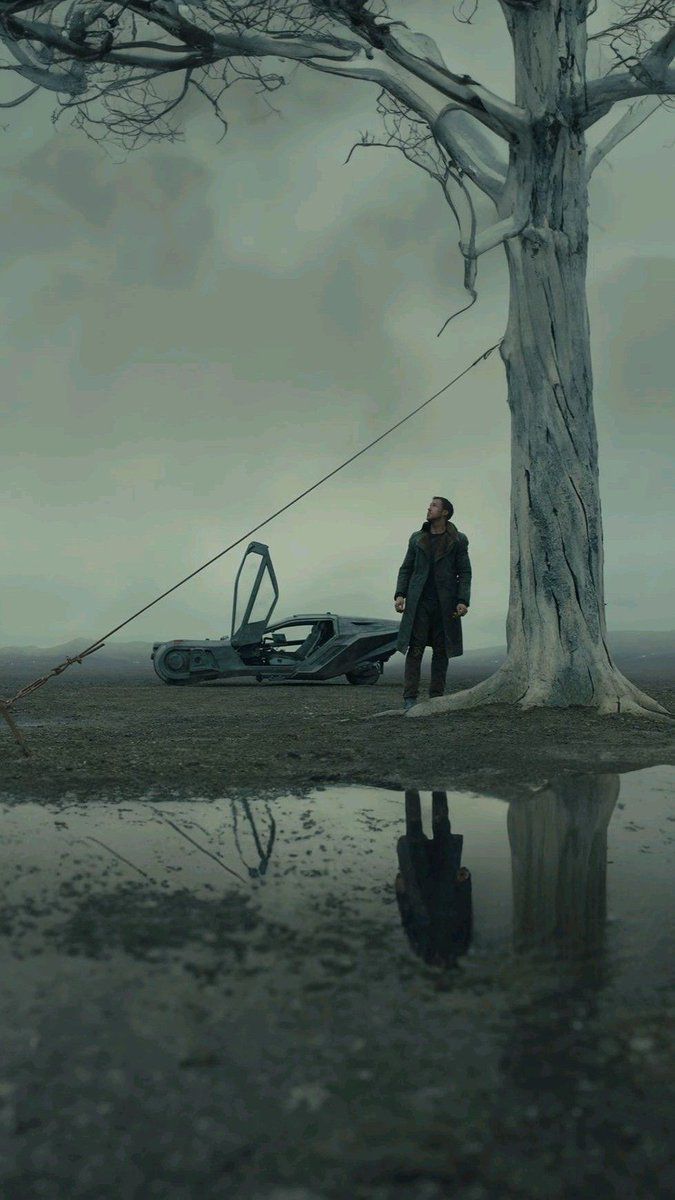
[[255, 596]]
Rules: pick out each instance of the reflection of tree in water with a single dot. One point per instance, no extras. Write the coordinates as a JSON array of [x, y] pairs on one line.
[[433, 890], [264, 855], [558, 840]]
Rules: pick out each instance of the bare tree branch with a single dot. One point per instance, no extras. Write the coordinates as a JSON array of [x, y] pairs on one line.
[[648, 75], [419, 55], [378, 70], [631, 120], [411, 136], [661, 53], [603, 94], [113, 64], [20, 99], [637, 25], [411, 50], [39, 70], [311, 32], [472, 244], [465, 142], [498, 233]]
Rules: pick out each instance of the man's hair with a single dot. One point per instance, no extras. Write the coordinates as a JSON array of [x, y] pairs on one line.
[[445, 503]]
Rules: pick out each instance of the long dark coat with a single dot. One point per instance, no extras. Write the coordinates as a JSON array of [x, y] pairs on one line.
[[453, 583]]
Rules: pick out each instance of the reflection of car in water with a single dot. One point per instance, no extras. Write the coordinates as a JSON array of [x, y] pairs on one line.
[[433, 889], [304, 646]]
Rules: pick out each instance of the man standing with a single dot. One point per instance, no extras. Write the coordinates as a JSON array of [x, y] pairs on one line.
[[432, 591]]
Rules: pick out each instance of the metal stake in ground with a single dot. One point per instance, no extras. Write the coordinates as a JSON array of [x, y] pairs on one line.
[[18, 736]]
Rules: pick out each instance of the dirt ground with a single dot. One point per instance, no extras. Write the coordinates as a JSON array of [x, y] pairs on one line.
[[163, 1043], [134, 734]]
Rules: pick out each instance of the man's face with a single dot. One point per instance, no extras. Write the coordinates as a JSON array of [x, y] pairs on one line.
[[435, 510]]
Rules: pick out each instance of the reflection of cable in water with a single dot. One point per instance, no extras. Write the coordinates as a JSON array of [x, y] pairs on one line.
[[264, 855], [116, 854], [203, 849]]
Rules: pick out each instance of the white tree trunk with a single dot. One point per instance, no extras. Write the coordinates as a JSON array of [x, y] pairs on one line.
[[556, 632], [557, 652]]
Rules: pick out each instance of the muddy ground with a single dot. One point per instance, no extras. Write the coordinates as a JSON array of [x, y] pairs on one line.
[[134, 734], [159, 1042]]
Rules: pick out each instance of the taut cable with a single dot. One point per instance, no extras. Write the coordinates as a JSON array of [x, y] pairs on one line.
[[5, 705]]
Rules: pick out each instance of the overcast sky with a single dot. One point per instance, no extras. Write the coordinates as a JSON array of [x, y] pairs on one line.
[[194, 335]]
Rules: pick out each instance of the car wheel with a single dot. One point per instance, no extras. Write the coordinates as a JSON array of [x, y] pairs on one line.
[[367, 674]]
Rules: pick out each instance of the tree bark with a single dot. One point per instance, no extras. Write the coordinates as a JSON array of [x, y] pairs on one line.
[[557, 651]]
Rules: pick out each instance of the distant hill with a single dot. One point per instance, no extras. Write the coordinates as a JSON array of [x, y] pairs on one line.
[[67, 649], [112, 652], [648, 654], [114, 660]]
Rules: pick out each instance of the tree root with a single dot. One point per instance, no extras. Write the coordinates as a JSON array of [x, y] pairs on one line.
[[499, 688], [617, 695], [626, 697]]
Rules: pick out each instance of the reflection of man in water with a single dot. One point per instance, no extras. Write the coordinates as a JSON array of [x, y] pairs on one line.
[[433, 890]]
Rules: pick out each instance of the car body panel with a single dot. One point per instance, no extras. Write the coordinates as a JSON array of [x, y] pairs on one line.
[[335, 645]]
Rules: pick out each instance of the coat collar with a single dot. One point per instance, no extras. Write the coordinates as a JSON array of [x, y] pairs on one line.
[[446, 543]]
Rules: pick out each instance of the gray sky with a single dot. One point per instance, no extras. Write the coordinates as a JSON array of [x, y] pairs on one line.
[[194, 335]]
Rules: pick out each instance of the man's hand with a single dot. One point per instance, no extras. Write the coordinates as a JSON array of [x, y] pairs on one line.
[[462, 610], [399, 603]]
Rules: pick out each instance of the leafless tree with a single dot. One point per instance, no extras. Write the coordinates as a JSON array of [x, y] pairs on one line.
[[123, 69]]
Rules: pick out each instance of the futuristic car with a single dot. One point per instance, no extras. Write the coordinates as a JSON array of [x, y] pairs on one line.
[[305, 646]]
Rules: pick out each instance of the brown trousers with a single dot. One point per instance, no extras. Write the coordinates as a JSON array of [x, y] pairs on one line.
[[427, 627]]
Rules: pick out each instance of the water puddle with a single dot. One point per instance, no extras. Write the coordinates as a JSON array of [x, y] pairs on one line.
[[579, 869]]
